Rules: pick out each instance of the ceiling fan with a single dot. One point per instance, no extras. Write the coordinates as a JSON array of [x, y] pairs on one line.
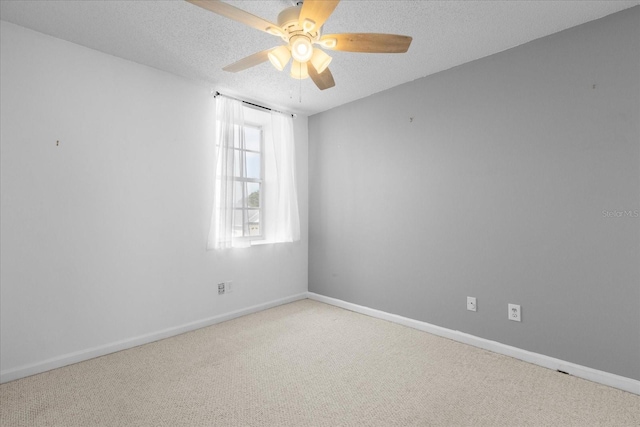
[[300, 27]]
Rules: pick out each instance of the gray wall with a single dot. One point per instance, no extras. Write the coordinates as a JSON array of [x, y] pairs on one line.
[[490, 180], [103, 237]]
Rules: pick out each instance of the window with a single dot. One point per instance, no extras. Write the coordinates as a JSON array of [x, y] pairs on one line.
[[255, 200], [248, 180]]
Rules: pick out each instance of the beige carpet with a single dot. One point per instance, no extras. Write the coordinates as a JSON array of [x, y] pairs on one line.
[[310, 364]]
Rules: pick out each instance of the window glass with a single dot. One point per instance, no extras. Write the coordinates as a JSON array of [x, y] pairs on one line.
[[238, 215], [253, 221], [253, 163], [252, 138], [239, 165], [248, 177], [239, 194], [253, 195]]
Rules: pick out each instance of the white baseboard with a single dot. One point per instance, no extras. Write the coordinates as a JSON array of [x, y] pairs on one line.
[[90, 353], [601, 377]]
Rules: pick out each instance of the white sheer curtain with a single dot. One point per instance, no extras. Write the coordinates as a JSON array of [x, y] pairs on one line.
[[229, 123], [280, 220], [281, 211]]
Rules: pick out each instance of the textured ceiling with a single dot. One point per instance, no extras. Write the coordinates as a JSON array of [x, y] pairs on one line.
[[188, 41]]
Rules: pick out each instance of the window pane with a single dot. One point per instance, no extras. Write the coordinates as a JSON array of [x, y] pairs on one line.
[[251, 224], [252, 138], [254, 222], [246, 195], [238, 164], [253, 195], [253, 165], [239, 195], [237, 223]]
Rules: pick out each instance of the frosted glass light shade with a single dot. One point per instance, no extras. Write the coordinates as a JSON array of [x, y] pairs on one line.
[[308, 25], [328, 43], [299, 70], [320, 60], [279, 57], [301, 48]]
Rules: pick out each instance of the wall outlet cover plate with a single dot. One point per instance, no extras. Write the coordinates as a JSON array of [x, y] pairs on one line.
[[515, 313], [471, 304]]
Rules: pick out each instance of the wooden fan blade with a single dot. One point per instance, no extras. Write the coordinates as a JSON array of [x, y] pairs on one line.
[[369, 42], [234, 13], [323, 80], [317, 11], [249, 61]]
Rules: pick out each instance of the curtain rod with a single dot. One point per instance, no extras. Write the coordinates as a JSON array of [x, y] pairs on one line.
[[255, 105]]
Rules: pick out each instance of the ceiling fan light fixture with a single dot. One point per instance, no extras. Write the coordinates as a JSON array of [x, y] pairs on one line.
[[299, 70], [328, 43], [279, 57], [320, 60], [308, 25], [301, 48]]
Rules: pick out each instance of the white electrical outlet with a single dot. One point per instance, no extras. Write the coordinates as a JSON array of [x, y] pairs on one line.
[[515, 313], [229, 286], [471, 304], [221, 288]]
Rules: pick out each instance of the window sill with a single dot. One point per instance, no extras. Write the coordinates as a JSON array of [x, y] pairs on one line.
[[261, 242]]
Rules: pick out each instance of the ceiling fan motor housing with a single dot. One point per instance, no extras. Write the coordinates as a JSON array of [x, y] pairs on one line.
[[288, 21]]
